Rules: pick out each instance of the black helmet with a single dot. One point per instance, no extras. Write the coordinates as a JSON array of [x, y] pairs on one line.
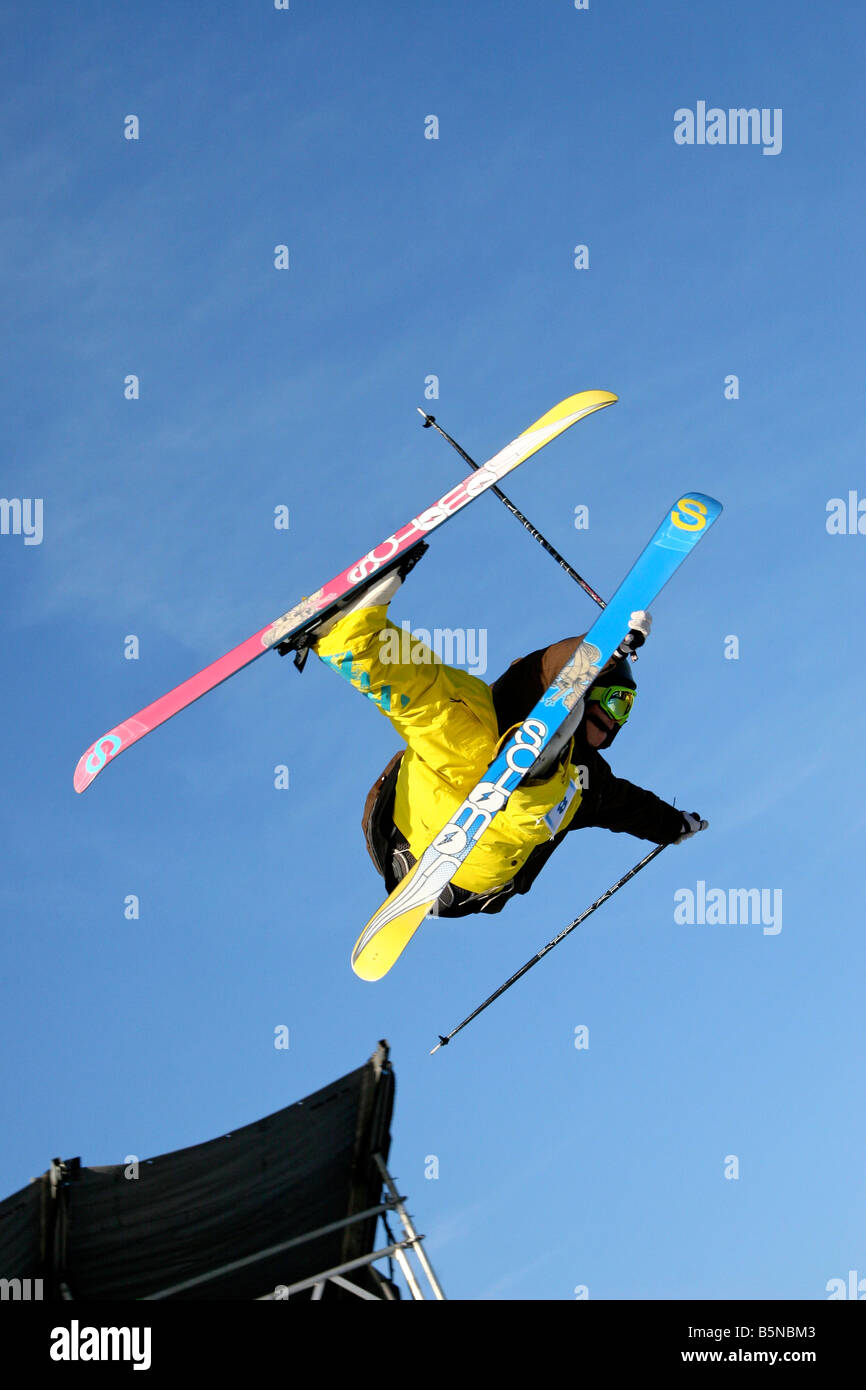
[[613, 688]]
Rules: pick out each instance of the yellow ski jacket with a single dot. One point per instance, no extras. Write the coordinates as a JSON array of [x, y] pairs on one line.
[[447, 719]]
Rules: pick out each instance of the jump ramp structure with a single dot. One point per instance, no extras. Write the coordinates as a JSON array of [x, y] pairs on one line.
[[286, 1207]]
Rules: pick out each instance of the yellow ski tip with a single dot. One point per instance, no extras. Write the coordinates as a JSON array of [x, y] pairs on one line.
[[389, 931], [372, 958], [583, 403]]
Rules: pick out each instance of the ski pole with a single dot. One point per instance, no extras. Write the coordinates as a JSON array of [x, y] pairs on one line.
[[443, 1041], [524, 521]]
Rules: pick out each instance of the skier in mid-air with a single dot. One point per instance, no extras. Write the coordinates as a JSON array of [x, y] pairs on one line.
[[453, 724]]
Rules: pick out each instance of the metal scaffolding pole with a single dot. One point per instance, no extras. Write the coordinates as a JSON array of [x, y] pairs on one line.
[[406, 1221]]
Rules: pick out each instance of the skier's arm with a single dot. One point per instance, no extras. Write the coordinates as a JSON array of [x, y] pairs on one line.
[[615, 804]]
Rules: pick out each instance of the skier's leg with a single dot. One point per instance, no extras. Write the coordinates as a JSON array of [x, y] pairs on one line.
[[443, 714]]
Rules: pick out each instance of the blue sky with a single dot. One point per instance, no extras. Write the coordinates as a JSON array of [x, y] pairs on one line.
[[412, 257]]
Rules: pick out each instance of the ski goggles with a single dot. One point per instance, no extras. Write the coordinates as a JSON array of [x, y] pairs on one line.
[[615, 700]]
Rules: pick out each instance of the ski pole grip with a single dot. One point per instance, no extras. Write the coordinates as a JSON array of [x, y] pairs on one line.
[[630, 643]]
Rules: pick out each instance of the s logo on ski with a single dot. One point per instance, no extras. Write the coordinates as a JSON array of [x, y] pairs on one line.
[[100, 754], [530, 736], [691, 516]]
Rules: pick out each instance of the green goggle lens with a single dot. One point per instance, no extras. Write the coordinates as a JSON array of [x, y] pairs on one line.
[[615, 700]]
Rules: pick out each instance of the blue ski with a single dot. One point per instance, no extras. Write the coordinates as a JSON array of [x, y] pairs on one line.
[[544, 729]]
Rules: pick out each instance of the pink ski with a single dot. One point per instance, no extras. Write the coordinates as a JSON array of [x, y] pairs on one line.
[[313, 609]]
